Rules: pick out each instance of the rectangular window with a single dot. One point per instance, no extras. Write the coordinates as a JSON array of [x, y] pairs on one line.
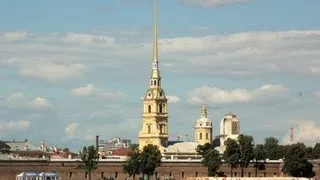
[[116, 175], [149, 129], [200, 136], [249, 174], [86, 175], [234, 127], [207, 136]]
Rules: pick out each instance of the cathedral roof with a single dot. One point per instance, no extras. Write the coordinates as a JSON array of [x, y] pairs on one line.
[[182, 147]]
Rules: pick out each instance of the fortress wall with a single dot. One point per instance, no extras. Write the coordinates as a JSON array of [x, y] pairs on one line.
[[178, 170]]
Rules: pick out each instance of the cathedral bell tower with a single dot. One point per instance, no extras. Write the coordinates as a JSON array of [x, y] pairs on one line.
[[155, 118]]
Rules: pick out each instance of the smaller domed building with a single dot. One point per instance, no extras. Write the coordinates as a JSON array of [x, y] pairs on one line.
[[203, 128]]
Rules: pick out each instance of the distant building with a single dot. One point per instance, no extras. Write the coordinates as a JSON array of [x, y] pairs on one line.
[[106, 147]]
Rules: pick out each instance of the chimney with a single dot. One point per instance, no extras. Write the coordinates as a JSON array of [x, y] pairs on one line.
[[97, 142]]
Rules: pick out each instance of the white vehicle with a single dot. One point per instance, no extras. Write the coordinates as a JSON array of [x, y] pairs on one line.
[[37, 176]]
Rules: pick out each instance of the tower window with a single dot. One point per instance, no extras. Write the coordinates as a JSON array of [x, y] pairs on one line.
[[207, 136], [154, 82], [200, 136], [149, 129], [160, 108], [149, 108], [160, 94]]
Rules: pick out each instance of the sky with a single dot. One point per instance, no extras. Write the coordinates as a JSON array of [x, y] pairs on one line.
[[71, 70]]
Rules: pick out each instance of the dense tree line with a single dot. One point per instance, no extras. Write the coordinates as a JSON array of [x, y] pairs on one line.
[[244, 152], [144, 162]]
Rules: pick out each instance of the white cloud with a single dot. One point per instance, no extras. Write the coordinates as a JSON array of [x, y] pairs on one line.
[[51, 71], [246, 53], [13, 36], [18, 100], [173, 99], [306, 131], [6, 126], [72, 130], [91, 90], [217, 95], [40, 102], [213, 3]]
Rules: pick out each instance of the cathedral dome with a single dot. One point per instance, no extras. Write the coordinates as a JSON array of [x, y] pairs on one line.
[[203, 122]]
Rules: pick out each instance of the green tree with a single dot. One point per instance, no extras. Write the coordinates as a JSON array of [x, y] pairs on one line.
[[296, 163], [203, 149], [215, 142], [259, 158], [4, 147], [316, 151], [232, 154], [134, 146], [89, 159], [212, 161], [272, 148], [150, 159], [246, 151], [132, 167]]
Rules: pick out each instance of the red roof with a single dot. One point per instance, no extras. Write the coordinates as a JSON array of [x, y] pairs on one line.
[[122, 152]]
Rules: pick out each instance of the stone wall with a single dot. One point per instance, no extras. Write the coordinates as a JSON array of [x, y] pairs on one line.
[[178, 170]]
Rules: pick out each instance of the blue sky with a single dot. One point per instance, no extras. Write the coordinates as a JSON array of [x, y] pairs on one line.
[[74, 69]]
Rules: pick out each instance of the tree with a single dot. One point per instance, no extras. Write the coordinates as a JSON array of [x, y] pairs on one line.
[[246, 151], [132, 167], [134, 146], [296, 163], [259, 157], [212, 161], [216, 142], [316, 151], [4, 148], [150, 159], [272, 148], [203, 149], [89, 159], [232, 154]]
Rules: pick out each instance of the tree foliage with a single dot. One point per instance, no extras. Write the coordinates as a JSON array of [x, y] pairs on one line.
[[296, 163], [232, 154], [259, 158], [246, 146], [272, 148], [132, 167], [212, 161], [4, 148], [144, 162], [89, 159], [150, 159], [316, 151]]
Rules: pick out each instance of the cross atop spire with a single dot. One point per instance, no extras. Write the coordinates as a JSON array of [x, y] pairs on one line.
[[204, 112]]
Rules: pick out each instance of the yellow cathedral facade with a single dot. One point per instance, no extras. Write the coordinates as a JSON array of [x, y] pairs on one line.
[[155, 116]]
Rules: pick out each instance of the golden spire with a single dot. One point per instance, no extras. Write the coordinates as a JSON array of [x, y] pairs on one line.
[[155, 32], [204, 112]]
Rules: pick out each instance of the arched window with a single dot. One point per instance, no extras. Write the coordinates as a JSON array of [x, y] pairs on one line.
[[200, 136], [164, 107], [155, 82], [149, 108], [160, 108]]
